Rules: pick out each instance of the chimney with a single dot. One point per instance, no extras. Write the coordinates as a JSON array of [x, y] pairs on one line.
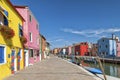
[[113, 36]]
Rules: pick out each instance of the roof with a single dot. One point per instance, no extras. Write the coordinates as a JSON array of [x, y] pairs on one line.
[[26, 7], [106, 38], [17, 6], [15, 10], [43, 37]]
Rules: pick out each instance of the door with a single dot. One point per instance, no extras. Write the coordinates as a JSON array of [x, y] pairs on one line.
[[12, 61], [18, 59], [26, 58]]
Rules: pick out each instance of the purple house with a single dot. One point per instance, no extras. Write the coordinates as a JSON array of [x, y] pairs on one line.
[[31, 32]]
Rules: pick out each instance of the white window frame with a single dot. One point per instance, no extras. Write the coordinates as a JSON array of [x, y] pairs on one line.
[[4, 54]]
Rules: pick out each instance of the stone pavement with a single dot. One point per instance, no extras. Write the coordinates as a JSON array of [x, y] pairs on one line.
[[53, 68]]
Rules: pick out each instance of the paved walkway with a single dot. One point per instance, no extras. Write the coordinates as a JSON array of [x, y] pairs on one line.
[[52, 69]]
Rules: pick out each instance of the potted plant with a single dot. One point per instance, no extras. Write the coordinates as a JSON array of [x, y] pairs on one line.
[[23, 39], [7, 32]]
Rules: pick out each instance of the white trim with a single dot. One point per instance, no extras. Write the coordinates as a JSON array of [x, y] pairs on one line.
[[26, 58], [4, 54], [21, 54]]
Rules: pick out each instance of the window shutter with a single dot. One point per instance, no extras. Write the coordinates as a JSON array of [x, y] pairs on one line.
[[1, 54]]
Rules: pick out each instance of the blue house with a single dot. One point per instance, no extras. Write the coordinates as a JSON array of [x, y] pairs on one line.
[[107, 47]]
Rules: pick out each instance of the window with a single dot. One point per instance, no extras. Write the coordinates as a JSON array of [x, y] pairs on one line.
[[37, 52], [6, 13], [31, 52], [20, 30], [30, 18], [117, 45], [3, 19], [103, 40], [100, 46], [106, 46], [2, 54], [30, 36]]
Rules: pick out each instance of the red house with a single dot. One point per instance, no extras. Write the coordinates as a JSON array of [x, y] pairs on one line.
[[81, 49]]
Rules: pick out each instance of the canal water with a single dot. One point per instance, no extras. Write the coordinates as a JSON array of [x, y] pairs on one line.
[[110, 69]]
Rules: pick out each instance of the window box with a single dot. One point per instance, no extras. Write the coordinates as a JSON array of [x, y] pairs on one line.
[[7, 32], [23, 39]]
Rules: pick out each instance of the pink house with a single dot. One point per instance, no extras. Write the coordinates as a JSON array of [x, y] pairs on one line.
[[31, 31], [118, 49], [69, 50]]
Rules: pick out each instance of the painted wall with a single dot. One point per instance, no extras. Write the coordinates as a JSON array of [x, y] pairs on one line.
[[69, 50], [118, 49], [112, 45], [106, 47], [14, 43], [81, 49], [30, 26], [94, 50], [43, 47]]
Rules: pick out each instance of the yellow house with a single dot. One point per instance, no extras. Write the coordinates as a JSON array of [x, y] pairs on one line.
[[11, 47]]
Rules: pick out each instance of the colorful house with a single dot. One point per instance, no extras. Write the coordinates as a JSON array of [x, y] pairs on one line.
[[107, 47], [11, 47], [43, 43], [55, 51], [40, 47], [94, 50], [70, 50], [31, 32], [47, 49], [81, 49], [118, 49]]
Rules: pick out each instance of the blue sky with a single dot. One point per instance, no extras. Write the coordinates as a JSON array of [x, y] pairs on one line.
[[64, 22]]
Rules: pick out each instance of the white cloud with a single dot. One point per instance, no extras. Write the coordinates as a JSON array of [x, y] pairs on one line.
[[92, 33], [55, 40]]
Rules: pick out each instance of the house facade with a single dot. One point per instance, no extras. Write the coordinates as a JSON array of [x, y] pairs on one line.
[[69, 50], [106, 47], [94, 50], [47, 49], [31, 31], [81, 49], [118, 49], [11, 47], [43, 44]]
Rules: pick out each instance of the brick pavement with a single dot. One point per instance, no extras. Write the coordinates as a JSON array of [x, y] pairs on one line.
[[52, 69]]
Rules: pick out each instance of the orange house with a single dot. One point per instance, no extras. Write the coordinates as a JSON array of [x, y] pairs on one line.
[[43, 46], [81, 49]]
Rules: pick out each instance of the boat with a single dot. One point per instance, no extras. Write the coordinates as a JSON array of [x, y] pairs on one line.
[[93, 70]]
